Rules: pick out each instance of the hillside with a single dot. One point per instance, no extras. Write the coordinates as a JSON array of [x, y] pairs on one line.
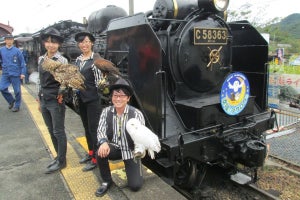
[[291, 25]]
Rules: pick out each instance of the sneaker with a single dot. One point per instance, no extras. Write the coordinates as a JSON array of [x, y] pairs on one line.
[[14, 109], [11, 105]]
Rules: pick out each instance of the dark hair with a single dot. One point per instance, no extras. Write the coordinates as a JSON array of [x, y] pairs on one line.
[[52, 39], [81, 38], [84, 33], [126, 92]]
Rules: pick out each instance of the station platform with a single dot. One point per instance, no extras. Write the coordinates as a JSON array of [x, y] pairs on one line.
[[285, 144], [26, 149]]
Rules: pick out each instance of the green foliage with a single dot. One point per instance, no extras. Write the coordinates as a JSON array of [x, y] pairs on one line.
[[291, 24], [284, 69], [285, 31]]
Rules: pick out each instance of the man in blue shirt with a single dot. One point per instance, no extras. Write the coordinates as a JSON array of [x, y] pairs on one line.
[[13, 70]]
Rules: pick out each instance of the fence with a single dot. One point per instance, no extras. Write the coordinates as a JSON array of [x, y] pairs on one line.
[[287, 118]]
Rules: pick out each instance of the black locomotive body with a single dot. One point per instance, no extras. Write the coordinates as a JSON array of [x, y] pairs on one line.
[[177, 58]]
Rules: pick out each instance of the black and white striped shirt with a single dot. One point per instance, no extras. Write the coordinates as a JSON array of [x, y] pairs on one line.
[[119, 128], [81, 63]]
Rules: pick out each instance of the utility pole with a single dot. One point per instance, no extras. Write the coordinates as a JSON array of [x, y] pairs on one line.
[[131, 7]]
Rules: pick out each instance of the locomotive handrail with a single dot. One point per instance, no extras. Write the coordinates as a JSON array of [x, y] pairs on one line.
[[230, 128], [165, 100], [161, 19], [219, 126]]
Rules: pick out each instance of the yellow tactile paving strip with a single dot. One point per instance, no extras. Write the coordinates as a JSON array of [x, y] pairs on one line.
[[81, 184], [113, 166]]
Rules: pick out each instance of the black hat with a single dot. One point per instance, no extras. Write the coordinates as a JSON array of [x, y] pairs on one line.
[[53, 33], [119, 84], [8, 36], [84, 33]]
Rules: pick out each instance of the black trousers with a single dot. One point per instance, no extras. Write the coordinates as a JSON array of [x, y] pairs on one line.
[[90, 114], [133, 168], [54, 117]]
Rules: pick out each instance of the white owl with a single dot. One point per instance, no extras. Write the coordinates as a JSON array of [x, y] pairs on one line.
[[143, 138], [236, 86]]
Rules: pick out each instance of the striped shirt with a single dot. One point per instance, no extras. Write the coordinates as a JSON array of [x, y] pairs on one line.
[[96, 71], [119, 127]]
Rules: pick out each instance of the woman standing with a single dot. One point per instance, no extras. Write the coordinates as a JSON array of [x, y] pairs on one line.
[[89, 100], [51, 100]]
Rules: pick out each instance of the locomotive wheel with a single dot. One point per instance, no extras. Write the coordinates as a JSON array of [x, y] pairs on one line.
[[186, 175]]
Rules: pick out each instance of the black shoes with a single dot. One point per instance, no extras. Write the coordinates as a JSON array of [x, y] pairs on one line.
[[14, 109], [86, 159], [103, 189], [89, 163], [55, 167], [52, 162], [11, 105], [89, 166]]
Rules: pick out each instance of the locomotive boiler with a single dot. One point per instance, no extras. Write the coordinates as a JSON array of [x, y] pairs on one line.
[[201, 84], [97, 25]]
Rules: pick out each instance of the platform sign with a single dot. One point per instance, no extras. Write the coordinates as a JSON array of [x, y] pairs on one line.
[[273, 96], [235, 93]]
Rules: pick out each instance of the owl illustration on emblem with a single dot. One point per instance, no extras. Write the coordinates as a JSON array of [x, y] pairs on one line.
[[235, 87]]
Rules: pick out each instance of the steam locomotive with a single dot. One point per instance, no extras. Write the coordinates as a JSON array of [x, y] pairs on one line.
[[202, 85], [200, 82]]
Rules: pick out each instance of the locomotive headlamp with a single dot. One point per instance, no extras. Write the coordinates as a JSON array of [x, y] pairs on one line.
[[221, 5], [213, 5]]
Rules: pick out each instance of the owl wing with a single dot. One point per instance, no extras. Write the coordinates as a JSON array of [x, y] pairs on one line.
[[106, 66], [50, 65], [68, 75]]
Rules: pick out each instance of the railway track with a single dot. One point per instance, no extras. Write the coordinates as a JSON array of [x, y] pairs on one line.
[[229, 190], [278, 179]]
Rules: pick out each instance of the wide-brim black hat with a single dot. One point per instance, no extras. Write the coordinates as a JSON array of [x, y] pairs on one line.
[[84, 33], [119, 84], [52, 32]]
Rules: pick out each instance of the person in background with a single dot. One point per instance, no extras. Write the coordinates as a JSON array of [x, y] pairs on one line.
[[113, 140], [50, 97], [280, 55], [89, 99], [13, 70], [26, 57]]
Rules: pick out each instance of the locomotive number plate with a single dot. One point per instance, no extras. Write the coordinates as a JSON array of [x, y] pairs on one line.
[[204, 36]]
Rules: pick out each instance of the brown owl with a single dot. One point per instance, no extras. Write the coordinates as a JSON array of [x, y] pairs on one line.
[[110, 73], [67, 75]]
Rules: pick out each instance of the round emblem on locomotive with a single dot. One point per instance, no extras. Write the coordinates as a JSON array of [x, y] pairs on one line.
[[235, 93]]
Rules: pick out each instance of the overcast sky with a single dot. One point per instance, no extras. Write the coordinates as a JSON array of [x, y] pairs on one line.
[[29, 16]]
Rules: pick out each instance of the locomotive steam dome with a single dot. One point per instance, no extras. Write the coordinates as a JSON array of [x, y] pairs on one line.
[[99, 19]]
